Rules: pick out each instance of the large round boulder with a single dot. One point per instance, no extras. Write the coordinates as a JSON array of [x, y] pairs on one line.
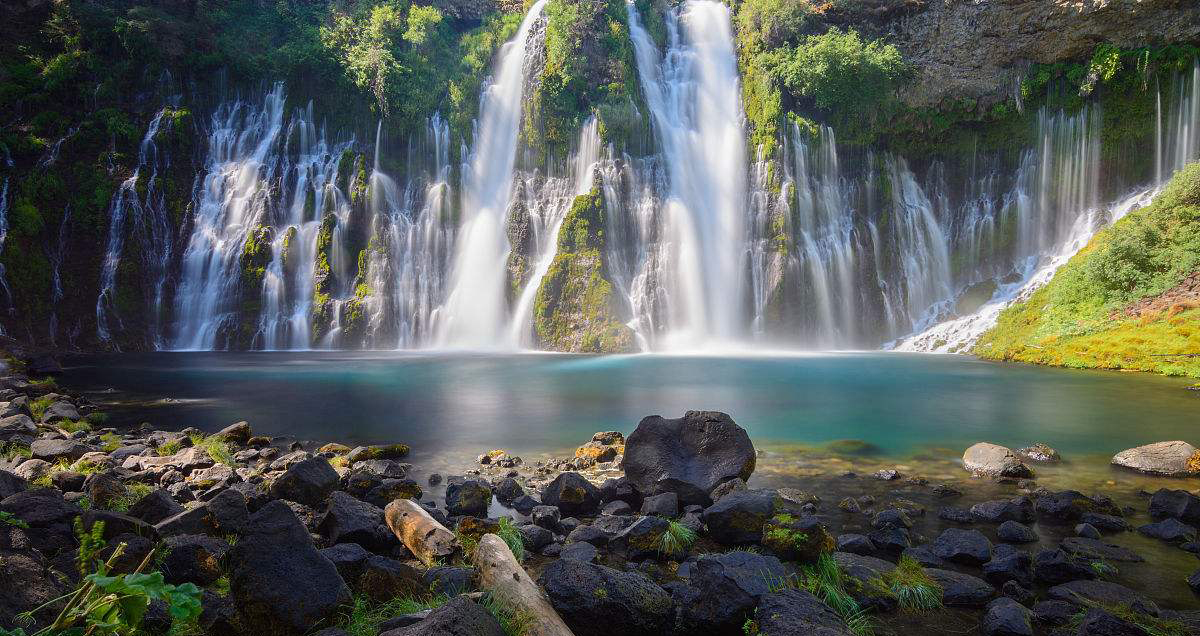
[[1171, 459], [792, 611], [573, 494], [598, 601], [689, 456], [992, 460]]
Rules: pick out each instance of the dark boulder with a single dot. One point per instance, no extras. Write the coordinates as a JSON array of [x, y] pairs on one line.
[[598, 601], [1009, 564], [507, 490], [962, 590], [224, 514], [11, 484], [536, 537], [663, 505], [865, 570], [797, 538], [1091, 592], [588, 533], [309, 482], [891, 539], [28, 581], [689, 456], [1001, 510], [1178, 504], [348, 520], [1170, 530], [1068, 506], [281, 584], [49, 517], [722, 589], [739, 516], [468, 497], [193, 558], [1052, 567], [1097, 622], [793, 611], [956, 514], [585, 552], [449, 580], [1006, 617], [155, 506], [53, 450], [968, 547], [1096, 549], [236, 433], [460, 616], [642, 540], [1054, 613], [1105, 523], [383, 579], [855, 543], [620, 489], [348, 558], [572, 494], [1016, 532]]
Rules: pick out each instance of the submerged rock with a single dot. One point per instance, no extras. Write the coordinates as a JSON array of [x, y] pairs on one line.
[[1171, 459], [689, 456], [1039, 453], [992, 460]]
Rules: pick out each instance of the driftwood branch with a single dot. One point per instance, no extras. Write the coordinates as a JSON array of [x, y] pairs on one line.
[[501, 576], [418, 531]]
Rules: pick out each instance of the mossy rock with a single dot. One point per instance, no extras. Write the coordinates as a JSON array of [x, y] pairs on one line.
[[796, 538]]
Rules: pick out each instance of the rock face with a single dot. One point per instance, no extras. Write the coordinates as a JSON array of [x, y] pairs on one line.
[[991, 460], [722, 589], [572, 493], [798, 612], [598, 601], [459, 616], [689, 456], [281, 584], [1171, 459], [308, 482]]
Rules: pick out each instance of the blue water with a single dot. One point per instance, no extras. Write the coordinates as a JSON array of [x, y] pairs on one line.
[[439, 403]]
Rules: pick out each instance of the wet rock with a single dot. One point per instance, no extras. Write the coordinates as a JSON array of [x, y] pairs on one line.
[[968, 547], [1015, 532], [384, 468], [281, 585], [664, 505], [891, 517], [449, 580], [587, 533], [1103, 592], [855, 543], [507, 490], [991, 460], [1016, 592], [1068, 506], [1039, 453], [225, 514], [548, 517], [1089, 548], [1053, 613], [962, 590], [956, 514], [1001, 510], [1176, 504], [1171, 459], [1097, 622], [460, 616], [796, 538], [1170, 530], [886, 475], [236, 433], [793, 611], [1053, 567], [924, 555], [891, 539], [1105, 523], [1006, 617], [727, 487], [384, 451], [1009, 564], [536, 537], [468, 497], [863, 569], [308, 482], [579, 551], [620, 489], [390, 490], [192, 558], [524, 504], [1193, 581], [572, 494], [689, 456], [1087, 530], [11, 484]]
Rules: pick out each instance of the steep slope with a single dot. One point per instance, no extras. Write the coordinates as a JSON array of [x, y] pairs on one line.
[[1129, 300]]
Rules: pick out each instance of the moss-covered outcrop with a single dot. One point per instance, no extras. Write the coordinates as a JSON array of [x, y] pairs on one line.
[[1129, 300], [576, 308]]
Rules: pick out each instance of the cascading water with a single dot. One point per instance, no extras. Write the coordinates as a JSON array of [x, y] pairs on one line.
[[56, 262], [147, 219], [475, 312], [693, 96], [3, 237]]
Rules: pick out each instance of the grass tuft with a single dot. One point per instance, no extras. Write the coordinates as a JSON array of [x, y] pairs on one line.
[[364, 616], [512, 537], [676, 539]]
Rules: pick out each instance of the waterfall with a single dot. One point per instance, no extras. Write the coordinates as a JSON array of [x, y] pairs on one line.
[[475, 311], [3, 238], [694, 101], [1181, 143], [147, 218], [553, 200], [414, 240]]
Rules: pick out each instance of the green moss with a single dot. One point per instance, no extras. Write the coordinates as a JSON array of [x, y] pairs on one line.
[[1079, 319], [576, 307]]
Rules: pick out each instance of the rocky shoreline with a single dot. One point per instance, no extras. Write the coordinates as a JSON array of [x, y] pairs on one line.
[[666, 531]]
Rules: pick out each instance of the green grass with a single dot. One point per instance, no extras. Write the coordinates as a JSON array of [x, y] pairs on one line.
[[512, 622], [45, 384], [826, 581], [364, 617], [170, 447], [1077, 320], [76, 426], [911, 586], [134, 491], [97, 419], [512, 537], [38, 407], [676, 539], [110, 442], [216, 448], [1150, 625], [11, 451]]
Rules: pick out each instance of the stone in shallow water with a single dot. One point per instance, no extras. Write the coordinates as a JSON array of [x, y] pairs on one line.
[[968, 547], [1006, 617], [1171, 459], [992, 460], [689, 456], [1039, 453], [1016, 532], [1169, 530]]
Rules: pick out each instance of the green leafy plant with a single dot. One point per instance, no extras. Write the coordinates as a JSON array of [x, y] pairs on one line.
[[364, 617], [512, 537], [170, 447], [110, 442], [826, 581], [38, 407], [8, 518], [676, 539]]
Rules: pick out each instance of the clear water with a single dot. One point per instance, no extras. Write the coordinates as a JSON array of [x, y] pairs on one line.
[[462, 404]]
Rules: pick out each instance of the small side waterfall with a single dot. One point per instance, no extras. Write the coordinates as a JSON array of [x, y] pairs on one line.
[[694, 101], [3, 238], [56, 262], [145, 216], [474, 315]]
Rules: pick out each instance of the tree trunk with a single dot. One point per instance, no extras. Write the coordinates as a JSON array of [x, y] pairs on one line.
[[419, 532], [501, 576]]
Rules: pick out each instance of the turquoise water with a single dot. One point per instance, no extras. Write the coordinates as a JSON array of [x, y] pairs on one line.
[[530, 403]]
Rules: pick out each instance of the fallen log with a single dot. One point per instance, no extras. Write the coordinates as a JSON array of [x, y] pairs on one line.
[[503, 578], [419, 532]]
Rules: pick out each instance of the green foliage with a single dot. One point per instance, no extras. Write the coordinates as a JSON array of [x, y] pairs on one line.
[[38, 407], [97, 418], [44, 384], [12, 451], [513, 622], [1079, 319], [512, 538], [170, 447], [110, 442], [216, 448], [826, 581], [911, 586], [8, 518], [134, 491], [1148, 624], [840, 72], [677, 539], [74, 426]]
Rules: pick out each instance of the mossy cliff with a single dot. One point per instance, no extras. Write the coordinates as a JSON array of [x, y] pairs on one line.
[[1129, 300], [576, 308]]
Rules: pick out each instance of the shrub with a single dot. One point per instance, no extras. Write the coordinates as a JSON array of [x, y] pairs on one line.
[[840, 72]]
